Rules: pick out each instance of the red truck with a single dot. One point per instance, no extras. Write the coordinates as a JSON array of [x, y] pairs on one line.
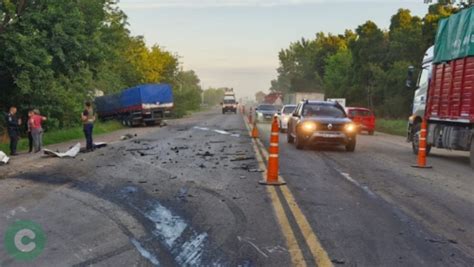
[[445, 88]]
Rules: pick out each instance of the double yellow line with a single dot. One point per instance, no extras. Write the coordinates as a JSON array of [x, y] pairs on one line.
[[312, 242]]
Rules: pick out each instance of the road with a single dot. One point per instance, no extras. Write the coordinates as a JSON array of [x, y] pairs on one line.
[[188, 195]]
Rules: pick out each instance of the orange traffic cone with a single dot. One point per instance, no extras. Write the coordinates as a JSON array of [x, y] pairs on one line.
[[255, 132], [272, 168], [422, 147]]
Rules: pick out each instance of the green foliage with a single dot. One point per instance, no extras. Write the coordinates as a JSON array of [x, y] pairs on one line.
[[368, 67], [187, 93], [390, 126], [54, 55]]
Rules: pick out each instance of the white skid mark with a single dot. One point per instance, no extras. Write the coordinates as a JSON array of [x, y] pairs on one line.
[[145, 253], [246, 240], [363, 187], [191, 251], [168, 226]]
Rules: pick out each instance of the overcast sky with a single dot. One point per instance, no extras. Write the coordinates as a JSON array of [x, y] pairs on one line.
[[235, 43]]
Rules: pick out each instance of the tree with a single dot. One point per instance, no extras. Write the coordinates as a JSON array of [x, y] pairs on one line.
[[187, 92]]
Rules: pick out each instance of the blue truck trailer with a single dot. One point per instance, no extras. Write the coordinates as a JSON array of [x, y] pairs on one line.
[[143, 104]]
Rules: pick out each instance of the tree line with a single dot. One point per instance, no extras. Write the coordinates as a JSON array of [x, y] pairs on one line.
[[55, 55], [368, 65]]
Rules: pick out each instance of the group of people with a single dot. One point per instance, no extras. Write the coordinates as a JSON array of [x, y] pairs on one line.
[[34, 128]]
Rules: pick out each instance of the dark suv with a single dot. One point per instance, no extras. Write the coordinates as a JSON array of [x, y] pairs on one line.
[[320, 122]]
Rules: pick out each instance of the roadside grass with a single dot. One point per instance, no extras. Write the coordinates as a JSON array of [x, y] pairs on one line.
[[59, 136], [392, 126]]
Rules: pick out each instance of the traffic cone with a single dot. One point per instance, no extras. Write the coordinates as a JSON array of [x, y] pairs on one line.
[[422, 147], [272, 168], [255, 132]]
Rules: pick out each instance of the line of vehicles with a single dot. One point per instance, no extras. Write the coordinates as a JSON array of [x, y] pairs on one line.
[[319, 122]]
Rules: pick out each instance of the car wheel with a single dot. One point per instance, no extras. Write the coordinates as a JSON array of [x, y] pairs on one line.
[[416, 140], [350, 147], [299, 142], [289, 138], [371, 132]]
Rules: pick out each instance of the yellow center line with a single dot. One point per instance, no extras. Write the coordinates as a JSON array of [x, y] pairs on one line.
[[292, 244], [320, 255]]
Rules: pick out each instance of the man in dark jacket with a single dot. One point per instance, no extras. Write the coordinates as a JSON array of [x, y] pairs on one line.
[[13, 129]]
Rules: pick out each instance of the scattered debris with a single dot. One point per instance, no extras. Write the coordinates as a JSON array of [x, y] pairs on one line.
[[432, 240], [4, 158], [71, 153], [338, 261], [242, 158], [205, 154], [127, 137]]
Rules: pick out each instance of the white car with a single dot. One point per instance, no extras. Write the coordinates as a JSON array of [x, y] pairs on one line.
[[284, 115]]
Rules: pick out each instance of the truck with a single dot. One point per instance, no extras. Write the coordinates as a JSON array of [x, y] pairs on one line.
[[444, 95], [296, 98], [229, 103], [143, 104]]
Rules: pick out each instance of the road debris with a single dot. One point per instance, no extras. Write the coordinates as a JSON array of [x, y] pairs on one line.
[[3, 158], [338, 261], [242, 158], [71, 153], [127, 137]]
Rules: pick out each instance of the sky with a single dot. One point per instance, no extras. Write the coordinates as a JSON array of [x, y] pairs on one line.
[[235, 43]]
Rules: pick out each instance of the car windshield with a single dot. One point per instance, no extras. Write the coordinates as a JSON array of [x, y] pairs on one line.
[[229, 101], [323, 110], [267, 108], [288, 110]]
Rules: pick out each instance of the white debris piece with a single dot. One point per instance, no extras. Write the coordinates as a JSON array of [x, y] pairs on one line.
[[4, 158], [71, 153]]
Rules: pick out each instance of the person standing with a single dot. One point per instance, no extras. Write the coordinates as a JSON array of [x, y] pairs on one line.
[[28, 130], [13, 129], [36, 122], [88, 119]]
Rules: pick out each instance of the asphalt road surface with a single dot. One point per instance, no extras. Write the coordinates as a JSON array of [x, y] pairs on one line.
[[188, 195]]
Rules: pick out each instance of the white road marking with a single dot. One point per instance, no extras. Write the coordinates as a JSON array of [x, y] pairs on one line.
[[241, 239], [363, 187]]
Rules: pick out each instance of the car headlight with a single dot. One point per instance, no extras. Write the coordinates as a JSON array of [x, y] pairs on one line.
[[350, 128], [308, 127], [285, 119]]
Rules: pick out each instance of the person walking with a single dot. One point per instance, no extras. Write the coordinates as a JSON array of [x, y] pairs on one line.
[[36, 126], [88, 119], [13, 129]]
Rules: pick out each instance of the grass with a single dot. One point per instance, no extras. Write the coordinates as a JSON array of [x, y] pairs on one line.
[[392, 126], [59, 136]]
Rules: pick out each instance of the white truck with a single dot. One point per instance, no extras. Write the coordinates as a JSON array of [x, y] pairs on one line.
[[295, 98]]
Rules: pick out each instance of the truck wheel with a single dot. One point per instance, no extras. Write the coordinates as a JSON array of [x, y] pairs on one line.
[[299, 142], [415, 143], [223, 112], [472, 153], [350, 147], [124, 122]]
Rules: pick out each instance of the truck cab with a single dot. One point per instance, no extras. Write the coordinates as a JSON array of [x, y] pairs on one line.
[[419, 100]]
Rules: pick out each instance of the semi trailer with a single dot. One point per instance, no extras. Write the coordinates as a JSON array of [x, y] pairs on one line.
[[144, 104]]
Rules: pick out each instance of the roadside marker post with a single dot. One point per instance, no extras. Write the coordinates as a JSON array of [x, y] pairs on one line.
[[273, 154], [422, 147]]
